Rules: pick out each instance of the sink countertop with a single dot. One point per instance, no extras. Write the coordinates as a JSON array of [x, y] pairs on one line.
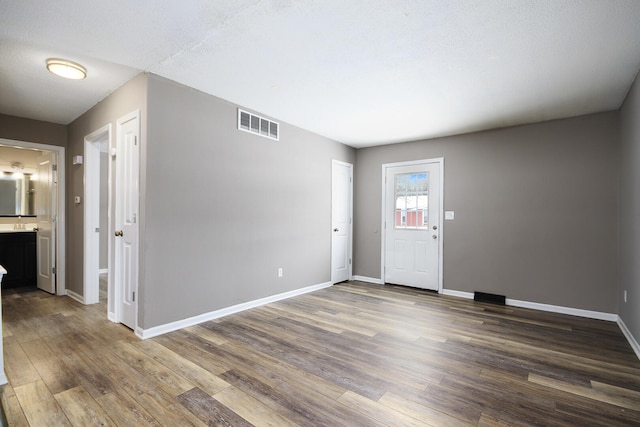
[[8, 228]]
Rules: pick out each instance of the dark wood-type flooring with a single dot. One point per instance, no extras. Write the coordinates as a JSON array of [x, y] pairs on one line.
[[354, 354]]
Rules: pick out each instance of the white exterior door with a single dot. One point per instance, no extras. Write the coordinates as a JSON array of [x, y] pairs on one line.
[[341, 213], [412, 206], [46, 196], [126, 219]]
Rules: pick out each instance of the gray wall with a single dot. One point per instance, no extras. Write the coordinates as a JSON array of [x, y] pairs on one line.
[[128, 98], [28, 130], [224, 208], [630, 212], [535, 210]]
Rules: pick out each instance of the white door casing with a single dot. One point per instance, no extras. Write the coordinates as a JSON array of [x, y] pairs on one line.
[[46, 208], [341, 220], [126, 218], [412, 219]]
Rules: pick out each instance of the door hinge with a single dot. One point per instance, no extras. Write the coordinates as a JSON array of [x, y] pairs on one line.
[[135, 140], [349, 261], [54, 218], [54, 270], [134, 297], [134, 218], [54, 167]]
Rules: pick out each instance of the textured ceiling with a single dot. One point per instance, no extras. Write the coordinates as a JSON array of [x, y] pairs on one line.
[[362, 72]]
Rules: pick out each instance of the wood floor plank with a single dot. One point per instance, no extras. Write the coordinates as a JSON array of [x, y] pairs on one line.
[[251, 409], [81, 409], [18, 367], [53, 372], [202, 378], [168, 410], [160, 375], [39, 406], [124, 410], [11, 405], [211, 411], [602, 393], [420, 412], [379, 413]]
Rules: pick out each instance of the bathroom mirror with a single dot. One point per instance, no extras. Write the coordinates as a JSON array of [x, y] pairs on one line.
[[17, 195]]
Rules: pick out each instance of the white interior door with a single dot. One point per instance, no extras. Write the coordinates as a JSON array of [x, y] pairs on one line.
[[46, 196], [126, 220], [341, 214], [412, 225]]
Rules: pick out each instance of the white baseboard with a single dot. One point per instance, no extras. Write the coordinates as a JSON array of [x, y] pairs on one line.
[[185, 323], [563, 310], [75, 296], [543, 307], [3, 378], [459, 294], [368, 280], [634, 344]]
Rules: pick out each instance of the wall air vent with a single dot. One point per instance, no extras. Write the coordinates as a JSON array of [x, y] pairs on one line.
[[258, 125]]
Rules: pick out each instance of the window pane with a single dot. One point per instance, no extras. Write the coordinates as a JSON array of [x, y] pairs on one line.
[[412, 200]]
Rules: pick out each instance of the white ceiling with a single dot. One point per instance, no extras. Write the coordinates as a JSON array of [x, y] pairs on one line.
[[362, 72]]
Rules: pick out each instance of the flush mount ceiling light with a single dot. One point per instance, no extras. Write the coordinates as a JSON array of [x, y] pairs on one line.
[[67, 69]]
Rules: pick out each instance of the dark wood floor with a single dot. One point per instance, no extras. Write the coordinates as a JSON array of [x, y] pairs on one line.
[[353, 354]]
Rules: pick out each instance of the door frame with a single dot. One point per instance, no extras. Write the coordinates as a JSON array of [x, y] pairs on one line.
[[91, 270], [335, 163], [383, 234], [60, 223]]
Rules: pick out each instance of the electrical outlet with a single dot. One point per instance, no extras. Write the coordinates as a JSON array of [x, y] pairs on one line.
[[280, 272], [625, 295]]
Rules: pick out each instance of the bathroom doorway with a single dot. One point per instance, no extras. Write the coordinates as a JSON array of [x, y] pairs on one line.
[[21, 153]]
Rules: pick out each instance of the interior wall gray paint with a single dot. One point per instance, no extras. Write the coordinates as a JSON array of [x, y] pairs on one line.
[[630, 212], [225, 209], [535, 206], [130, 97], [21, 129]]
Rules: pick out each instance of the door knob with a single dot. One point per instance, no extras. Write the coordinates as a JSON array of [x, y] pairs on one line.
[[434, 236], [119, 233], [335, 230]]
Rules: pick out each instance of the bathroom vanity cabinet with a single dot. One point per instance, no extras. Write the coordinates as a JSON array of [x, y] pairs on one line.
[[18, 257]]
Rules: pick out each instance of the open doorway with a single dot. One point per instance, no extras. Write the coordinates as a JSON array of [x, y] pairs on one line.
[[49, 228], [96, 215]]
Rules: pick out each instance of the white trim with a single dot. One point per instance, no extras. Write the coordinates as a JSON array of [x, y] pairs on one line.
[[334, 163], [3, 377], [61, 233], [459, 294], [627, 333], [91, 284], [383, 234], [190, 321], [103, 271], [543, 307], [563, 310], [75, 296], [368, 280]]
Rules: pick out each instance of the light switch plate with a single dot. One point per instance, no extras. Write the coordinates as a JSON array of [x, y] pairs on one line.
[[449, 215], [76, 200]]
